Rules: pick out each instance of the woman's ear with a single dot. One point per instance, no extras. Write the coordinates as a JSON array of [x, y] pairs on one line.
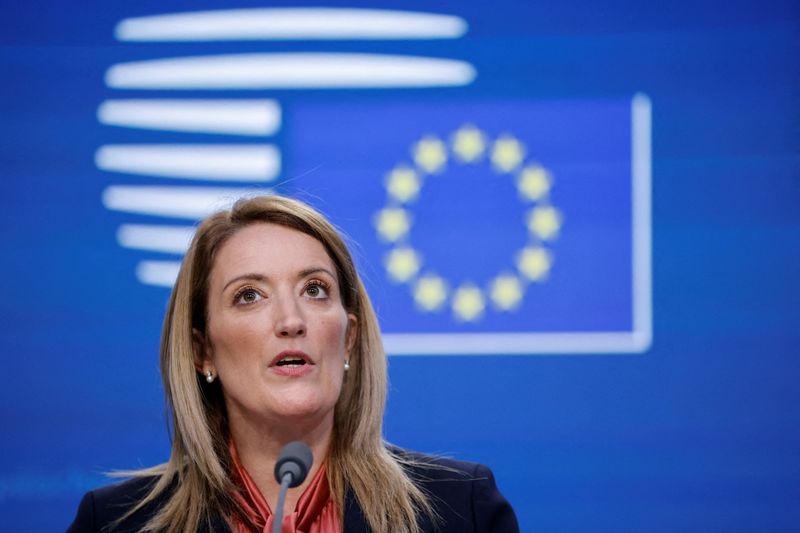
[[352, 331], [202, 356]]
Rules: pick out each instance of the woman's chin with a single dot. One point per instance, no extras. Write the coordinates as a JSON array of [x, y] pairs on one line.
[[300, 408]]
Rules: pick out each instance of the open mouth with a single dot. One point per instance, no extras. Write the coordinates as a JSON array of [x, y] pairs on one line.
[[290, 359], [291, 362]]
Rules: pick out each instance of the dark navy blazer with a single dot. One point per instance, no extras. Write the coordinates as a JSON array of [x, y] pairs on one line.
[[464, 495]]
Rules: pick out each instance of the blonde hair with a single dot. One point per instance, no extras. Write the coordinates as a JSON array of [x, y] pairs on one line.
[[197, 476]]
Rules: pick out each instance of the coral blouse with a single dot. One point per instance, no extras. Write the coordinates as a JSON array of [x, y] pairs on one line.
[[315, 511]]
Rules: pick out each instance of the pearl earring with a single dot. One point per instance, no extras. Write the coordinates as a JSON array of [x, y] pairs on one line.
[[346, 365], [209, 376]]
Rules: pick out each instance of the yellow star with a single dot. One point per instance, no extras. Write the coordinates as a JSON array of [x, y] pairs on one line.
[[468, 304], [430, 292], [403, 184], [430, 154], [544, 222], [402, 263], [469, 143], [506, 292], [534, 183], [507, 153], [534, 263], [392, 223]]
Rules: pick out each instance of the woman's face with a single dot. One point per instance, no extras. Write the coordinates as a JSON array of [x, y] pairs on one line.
[[278, 334]]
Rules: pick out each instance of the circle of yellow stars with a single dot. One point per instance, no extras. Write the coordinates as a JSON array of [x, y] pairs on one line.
[[468, 146]]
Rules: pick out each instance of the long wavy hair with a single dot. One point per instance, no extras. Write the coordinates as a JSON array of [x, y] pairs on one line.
[[196, 482]]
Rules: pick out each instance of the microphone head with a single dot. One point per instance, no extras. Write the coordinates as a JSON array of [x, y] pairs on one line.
[[295, 459]]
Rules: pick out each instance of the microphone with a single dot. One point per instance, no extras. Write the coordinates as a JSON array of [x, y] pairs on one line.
[[291, 470]]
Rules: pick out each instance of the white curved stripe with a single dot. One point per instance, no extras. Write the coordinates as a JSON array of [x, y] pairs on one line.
[[225, 162], [641, 191], [290, 23], [576, 342], [178, 202], [159, 273], [289, 71], [233, 117], [168, 239]]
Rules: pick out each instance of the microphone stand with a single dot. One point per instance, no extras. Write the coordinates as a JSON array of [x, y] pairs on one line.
[[291, 470], [277, 523]]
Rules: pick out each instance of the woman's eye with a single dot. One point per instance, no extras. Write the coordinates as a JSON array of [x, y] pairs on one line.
[[248, 296], [316, 289]]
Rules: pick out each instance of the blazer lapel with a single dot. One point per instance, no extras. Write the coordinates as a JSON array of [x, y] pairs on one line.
[[217, 525], [354, 521]]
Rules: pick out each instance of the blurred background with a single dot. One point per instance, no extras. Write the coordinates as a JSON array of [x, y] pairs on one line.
[[578, 222]]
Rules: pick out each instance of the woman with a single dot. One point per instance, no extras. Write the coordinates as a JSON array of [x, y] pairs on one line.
[[270, 337]]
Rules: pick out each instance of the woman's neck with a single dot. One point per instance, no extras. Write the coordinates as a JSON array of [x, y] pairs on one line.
[[259, 444]]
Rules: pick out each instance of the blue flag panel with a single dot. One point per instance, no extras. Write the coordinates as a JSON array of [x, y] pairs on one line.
[[488, 226]]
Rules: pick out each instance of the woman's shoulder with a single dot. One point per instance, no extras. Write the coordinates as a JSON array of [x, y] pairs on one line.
[[433, 464], [427, 468], [106, 505], [464, 494]]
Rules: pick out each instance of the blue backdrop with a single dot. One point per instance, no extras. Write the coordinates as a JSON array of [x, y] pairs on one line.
[[579, 225]]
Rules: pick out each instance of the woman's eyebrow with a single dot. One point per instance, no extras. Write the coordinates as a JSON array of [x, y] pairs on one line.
[[252, 276], [314, 270]]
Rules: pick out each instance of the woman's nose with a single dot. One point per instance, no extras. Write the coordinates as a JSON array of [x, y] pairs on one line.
[[289, 320]]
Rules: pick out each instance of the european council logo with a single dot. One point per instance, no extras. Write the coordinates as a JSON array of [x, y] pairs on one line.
[[494, 226], [480, 226]]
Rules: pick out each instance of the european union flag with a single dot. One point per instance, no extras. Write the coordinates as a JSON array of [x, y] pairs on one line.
[[489, 227]]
